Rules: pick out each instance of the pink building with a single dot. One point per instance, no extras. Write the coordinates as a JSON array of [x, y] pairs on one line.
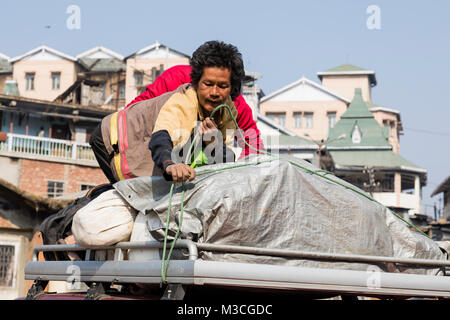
[[44, 73], [143, 66], [309, 108]]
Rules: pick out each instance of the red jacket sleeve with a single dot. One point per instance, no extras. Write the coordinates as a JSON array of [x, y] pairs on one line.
[[248, 128], [168, 81]]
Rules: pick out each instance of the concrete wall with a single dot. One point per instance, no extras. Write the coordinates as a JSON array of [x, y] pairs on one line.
[[112, 82], [35, 174], [146, 65], [3, 78], [381, 117], [10, 169], [43, 79], [345, 85], [319, 109], [16, 229], [21, 246]]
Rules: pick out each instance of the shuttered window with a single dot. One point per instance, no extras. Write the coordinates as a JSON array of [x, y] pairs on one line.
[[6, 265]]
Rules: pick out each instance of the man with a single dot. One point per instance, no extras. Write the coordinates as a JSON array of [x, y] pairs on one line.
[[173, 77], [140, 139]]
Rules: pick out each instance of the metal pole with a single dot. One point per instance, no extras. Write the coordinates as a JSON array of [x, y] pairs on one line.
[[321, 256], [320, 155]]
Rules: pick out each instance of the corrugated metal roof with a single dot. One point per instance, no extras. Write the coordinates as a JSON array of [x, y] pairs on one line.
[[283, 140], [444, 186], [372, 158], [349, 69], [5, 66], [103, 65], [346, 68], [357, 114]]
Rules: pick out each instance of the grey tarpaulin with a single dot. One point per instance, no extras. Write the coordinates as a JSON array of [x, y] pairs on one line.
[[271, 203]]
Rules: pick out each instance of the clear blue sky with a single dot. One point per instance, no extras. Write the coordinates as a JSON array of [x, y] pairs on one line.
[[283, 40]]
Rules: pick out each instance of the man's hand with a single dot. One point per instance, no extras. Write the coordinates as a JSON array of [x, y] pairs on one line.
[[180, 172], [208, 129]]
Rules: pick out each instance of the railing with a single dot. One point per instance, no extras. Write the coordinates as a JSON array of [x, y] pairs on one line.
[[47, 148], [408, 201]]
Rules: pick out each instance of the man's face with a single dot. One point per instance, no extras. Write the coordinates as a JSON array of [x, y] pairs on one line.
[[214, 87]]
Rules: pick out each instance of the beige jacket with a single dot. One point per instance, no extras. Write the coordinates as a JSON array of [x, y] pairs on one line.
[[127, 133]]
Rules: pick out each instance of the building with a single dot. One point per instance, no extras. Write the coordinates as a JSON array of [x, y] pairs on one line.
[[280, 141], [251, 92], [362, 155], [101, 80], [20, 214], [5, 71], [44, 73], [441, 225], [444, 188], [144, 65], [44, 145], [52, 102], [306, 107]]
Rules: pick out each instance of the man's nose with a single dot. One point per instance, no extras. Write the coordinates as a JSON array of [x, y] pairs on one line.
[[214, 91]]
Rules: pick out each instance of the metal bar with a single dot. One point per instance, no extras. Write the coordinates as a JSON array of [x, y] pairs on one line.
[[194, 247], [54, 114], [320, 279], [182, 243], [179, 271], [247, 275], [320, 255]]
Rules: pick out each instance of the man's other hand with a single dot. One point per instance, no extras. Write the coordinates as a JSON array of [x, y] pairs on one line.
[[180, 172], [208, 129]]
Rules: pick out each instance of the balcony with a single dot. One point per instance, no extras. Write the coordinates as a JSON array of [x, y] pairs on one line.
[[407, 201], [47, 149]]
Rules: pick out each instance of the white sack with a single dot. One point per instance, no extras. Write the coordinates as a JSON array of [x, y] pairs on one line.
[[104, 221], [141, 232]]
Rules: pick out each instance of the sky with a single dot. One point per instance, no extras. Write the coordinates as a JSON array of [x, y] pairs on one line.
[[405, 42]]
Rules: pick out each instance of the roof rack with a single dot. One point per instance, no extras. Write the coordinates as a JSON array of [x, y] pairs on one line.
[[192, 271]]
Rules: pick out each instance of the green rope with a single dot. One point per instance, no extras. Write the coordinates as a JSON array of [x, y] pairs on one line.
[[165, 263]]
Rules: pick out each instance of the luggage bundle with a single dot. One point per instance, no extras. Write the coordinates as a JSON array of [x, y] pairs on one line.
[[259, 201]]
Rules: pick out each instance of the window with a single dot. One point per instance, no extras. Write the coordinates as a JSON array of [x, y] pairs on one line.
[[309, 123], [282, 119], [103, 91], [279, 118], [54, 189], [297, 120], [390, 125], [138, 78], [56, 80], [122, 90], [331, 119], [86, 187], [356, 134], [6, 265], [30, 81], [271, 116]]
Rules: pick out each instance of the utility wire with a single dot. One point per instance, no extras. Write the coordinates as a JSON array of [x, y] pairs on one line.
[[429, 132]]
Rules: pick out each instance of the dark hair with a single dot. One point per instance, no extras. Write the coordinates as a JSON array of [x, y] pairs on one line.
[[218, 54]]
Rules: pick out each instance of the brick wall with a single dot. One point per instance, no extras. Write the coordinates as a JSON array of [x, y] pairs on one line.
[[35, 174]]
